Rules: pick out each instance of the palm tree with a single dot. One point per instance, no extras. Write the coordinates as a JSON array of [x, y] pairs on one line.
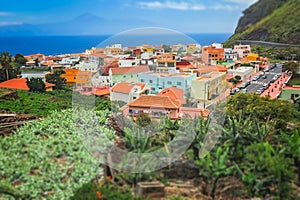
[[5, 59]]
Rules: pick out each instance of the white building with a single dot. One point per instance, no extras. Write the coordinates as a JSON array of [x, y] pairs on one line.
[[87, 66], [242, 50], [230, 55], [127, 92], [70, 60], [128, 62], [243, 72]]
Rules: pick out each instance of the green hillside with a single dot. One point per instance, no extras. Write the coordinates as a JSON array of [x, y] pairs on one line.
[[271, 21]]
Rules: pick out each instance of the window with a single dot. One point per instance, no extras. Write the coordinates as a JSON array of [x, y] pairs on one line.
[[142, 80], [124, 76], [150, 81], [169, 82], [178, 83]]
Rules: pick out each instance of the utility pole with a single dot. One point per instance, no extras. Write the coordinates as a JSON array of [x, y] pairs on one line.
[[204, 94]]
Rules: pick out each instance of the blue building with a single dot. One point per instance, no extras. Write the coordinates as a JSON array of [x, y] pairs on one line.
[[159, 81]]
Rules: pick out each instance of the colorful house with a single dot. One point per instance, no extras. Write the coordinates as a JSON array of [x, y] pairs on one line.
[[127, 74], [212, 53], [155, 106], [21, 84], [159, 81], [126, 92], [174, 93], [208, 86], [242, 50], [77, 77]]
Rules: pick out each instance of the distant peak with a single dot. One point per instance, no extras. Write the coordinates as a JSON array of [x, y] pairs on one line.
[[87, 17]]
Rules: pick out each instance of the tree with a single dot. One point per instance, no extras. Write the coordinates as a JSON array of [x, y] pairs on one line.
[[292, 66], [56, 79], [20, 60], [166, 48], [36, 85], [5, 59]]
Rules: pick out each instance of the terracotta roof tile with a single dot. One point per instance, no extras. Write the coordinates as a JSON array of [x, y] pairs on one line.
[[148, 101], [174, 93], [130, 70], [102, 92], [124, 87], [20, 84]]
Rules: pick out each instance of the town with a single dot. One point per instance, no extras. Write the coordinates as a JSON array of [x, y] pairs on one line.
[[174, 81]]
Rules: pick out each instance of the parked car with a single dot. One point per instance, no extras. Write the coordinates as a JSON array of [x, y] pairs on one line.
[[264, 76], [255, 78], [248, 82], [259, 91], [244, 90], [243, 86]]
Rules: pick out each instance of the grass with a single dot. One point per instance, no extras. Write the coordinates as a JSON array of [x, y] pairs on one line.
[[294, 81], [42, 103], [38, 104]]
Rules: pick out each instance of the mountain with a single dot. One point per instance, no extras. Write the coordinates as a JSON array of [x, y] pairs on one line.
[[270, 21], [85, 24]]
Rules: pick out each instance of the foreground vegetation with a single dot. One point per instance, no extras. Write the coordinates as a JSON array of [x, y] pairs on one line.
[[257, 153]]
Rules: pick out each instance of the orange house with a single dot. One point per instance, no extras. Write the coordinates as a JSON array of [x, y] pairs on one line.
[[77, 77], [212, 53], [155, 106]]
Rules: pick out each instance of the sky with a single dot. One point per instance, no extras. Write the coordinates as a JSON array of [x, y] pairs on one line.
[[188, 16]]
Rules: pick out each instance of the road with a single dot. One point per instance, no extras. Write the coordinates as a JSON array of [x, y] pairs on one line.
[[255, 85]]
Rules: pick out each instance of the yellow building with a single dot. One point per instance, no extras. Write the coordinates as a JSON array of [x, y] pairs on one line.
[[191, 48], [77, 77], [208, 86]]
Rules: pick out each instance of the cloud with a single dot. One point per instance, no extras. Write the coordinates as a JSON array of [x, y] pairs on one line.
[[188, 5], [224, 7], [171, 5], [248, 2], [5, 13], [10, 23]]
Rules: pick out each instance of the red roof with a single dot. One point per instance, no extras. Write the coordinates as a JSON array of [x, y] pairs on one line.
[[124, 87], [102, 92], [130, 70], [174, 93], [20, 84], [148, 101]]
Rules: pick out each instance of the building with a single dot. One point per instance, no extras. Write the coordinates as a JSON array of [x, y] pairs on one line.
[[34, 75], [127, 74], [230, 55], [155, 106], [128, 62], [127, 92], [165, 62], [242, 50], [159, 81], [77, 77], [192, 48], [211, 54], [87, 66], [21, 84], [97, 58], [174, 93], [243, 72], [208, 86]]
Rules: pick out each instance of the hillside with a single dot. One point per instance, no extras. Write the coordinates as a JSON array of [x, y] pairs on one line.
[[271, 21]]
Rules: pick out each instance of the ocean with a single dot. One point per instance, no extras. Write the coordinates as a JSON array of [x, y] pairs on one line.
[[55, 45]]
